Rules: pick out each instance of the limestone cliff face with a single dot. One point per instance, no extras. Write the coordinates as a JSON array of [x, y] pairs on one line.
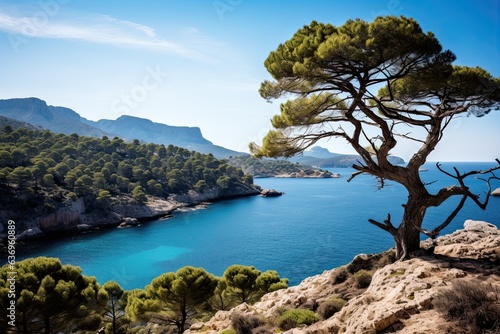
[[155, 207], [400, 296], [66, 218], [192, 197]]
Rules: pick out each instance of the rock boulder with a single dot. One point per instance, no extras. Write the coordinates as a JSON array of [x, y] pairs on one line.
[[270, 193], [30, 234]]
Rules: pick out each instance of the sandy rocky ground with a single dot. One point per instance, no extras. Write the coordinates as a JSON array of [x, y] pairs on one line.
[[399, 298]]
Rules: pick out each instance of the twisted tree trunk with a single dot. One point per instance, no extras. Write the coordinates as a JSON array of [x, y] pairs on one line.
[[408, 233]]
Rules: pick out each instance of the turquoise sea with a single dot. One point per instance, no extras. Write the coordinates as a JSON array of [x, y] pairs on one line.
[[317, 225]]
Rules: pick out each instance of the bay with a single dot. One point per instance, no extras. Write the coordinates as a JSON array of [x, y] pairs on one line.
[[318, 224]]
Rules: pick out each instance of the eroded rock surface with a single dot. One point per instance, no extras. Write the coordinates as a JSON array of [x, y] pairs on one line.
[[399, 298]]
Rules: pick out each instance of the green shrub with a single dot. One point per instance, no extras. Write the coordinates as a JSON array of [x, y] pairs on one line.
[[363, 278], [245, 323], [329, 307], [228, 331], [397, 272], [339, 275], [473, 304], [296, 317]]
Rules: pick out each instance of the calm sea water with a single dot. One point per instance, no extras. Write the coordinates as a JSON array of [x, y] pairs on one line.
[[317, 225]]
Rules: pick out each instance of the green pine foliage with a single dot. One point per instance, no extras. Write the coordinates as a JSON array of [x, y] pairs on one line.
[[43, 167], [247, 284], [50, 297]]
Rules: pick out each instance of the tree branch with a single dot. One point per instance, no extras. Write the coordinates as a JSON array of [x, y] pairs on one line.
[[353, 175], [435, 232], [448, 192], [463, 190], [387, 226]]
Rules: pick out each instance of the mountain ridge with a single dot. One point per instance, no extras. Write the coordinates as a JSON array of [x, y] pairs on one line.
[[335, 160], [65, 120], [60, 119]]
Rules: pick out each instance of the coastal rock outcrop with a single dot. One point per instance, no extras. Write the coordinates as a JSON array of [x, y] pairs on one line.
[[128, 222], [400, 297], [270, 193], [65, 218], [155, 207], [311, 174], [193, 197], [30, 234]]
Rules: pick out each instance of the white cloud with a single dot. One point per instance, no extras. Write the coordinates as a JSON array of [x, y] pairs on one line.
[[98, 29], [145, 29]]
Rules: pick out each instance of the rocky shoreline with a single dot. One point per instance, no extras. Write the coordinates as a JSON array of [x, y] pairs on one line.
[[401, 297], [318, 174], [303, 174], [73, 217]]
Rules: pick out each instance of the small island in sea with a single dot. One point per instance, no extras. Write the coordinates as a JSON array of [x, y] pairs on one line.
[[261, 168]]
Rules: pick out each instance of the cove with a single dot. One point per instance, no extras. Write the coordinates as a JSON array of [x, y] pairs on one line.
[[318, 224]]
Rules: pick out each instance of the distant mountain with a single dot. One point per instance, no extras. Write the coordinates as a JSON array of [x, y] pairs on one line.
[[57, 119], [64, 120], [315, 156], [322, 158], [320, 152], [149, 131]]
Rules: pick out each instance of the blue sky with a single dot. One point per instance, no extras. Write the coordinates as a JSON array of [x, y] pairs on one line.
[[200, 63]]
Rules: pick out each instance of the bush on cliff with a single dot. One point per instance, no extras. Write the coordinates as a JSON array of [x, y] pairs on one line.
[[363, 278], [296, 317], [331, 306]]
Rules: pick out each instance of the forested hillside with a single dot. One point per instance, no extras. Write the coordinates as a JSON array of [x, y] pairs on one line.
[[43, 168]]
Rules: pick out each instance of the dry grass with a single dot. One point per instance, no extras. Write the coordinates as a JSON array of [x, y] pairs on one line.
[[475, 306]]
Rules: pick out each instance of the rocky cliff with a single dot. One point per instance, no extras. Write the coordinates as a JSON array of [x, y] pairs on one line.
[[402, 296], [123, 211]]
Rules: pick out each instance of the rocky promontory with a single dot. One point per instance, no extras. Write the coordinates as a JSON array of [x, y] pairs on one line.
[[270, 193], [413, 296], [311, 174], [263, 168]]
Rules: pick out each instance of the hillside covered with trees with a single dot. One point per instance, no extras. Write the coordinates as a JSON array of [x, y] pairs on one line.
[[41, 171]]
